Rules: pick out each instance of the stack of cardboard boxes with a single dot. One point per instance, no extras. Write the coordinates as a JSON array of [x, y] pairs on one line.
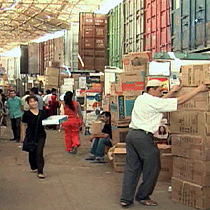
[[51, 77], [129, 84], [190, 127]]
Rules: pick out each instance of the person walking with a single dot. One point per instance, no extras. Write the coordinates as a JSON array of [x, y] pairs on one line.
[[35, 92], [35, 135], [53, 106], [142, 153], [14, 106], [24, 102], [71, 127]]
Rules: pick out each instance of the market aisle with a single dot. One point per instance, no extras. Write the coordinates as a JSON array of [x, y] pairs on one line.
[[71, 183]]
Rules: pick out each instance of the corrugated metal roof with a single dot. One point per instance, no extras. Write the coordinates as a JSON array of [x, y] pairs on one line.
[[24, 20]]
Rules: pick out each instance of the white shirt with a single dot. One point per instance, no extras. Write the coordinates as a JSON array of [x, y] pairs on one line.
[[46, 99], [147, 112], [25, 104]]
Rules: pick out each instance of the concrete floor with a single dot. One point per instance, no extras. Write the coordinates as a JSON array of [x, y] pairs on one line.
[[71, 183]]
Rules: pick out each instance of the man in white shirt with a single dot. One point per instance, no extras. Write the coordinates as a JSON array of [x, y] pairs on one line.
[[142, 153], [24, 102], [47, 97]]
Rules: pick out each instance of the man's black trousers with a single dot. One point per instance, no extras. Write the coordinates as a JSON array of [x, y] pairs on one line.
[[142, 158]]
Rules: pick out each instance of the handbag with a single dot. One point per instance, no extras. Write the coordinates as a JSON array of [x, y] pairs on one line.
[[29, 143]]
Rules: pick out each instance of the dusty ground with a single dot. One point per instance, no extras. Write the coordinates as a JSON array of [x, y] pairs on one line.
[[71, 183]]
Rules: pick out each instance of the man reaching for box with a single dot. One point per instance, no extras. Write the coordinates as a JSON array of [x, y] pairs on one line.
[[142, 153], [101, 140]]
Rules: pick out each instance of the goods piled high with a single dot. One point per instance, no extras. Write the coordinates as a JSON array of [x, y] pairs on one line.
[[190, 142]]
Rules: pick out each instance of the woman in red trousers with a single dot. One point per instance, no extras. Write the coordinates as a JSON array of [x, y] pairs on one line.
[[71, 127]]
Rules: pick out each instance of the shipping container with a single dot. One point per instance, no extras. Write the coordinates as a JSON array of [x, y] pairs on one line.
[[157, 31], [35, 58], [53, 51], [134, 26], [92, 41], [190, 25], [24, 59], [115, 36], [71, 46]]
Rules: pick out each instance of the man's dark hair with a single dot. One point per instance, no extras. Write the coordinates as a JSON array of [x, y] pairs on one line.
[[12, 91], [27, 92], [148, 88], [107, 114], [53, 90], [1, 91], [35, 90], [41, 91], [31, 97], [48, 92]]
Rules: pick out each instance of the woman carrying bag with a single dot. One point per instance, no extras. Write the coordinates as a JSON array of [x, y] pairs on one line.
[[35, 136]]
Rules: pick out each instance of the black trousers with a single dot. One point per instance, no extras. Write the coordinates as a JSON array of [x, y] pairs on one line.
[[36, 158], [142, 157], [15, 123]]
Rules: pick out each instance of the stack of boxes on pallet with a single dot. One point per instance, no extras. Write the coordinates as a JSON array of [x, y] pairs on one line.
[[190, 126], [129, 84], [51, 78]]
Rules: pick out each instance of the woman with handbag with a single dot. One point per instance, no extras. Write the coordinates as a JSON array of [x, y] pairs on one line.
[[35, 136], [73, 124]]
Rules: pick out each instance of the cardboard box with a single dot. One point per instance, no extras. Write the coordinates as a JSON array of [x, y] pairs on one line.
[[54, 120], [50, 71], [96, 127], [197, 172], [119, 134], [50, 80], [190, 194], [164, 148], [119, 167], [54, 63], [139, 60], [200, 102], [194, 75], [190, 122], [191, 146], [121, 106], [166, 160], [131, 76], [131, 86], [96, 87], [119, 155], [126, 63]]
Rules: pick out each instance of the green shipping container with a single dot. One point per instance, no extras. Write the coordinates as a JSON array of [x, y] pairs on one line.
[[190, 25], [115, 31]]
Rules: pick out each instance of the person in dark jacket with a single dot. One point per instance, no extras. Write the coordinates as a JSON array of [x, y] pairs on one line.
[[35, 132]]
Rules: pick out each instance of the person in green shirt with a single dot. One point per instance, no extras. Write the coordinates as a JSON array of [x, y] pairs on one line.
[[14, 105]]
